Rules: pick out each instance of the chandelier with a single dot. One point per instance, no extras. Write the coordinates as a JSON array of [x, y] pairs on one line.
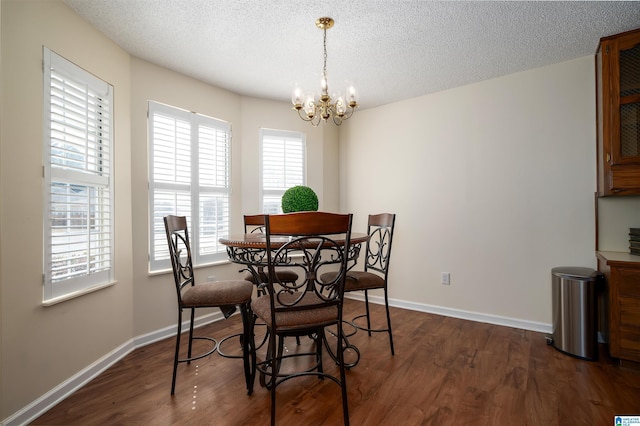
[[323, 108]]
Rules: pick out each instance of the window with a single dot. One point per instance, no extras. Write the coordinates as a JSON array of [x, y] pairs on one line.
[[283, 166], [78, 216], [189, 166]]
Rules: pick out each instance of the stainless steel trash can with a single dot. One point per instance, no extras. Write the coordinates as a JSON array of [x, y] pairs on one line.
[[574, 311]]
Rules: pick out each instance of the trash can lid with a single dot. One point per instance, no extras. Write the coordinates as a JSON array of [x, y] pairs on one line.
[[576, 272]]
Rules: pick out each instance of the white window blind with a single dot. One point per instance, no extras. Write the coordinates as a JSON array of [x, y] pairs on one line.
[[189, 176], [283, 166], [78, 217]]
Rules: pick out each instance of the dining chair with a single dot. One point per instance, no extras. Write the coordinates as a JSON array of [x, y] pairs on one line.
[[226, 295], [307, 242], [375, 274], [255, 224]]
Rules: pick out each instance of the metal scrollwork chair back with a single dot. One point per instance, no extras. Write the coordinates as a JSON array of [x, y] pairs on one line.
[[380, 228], [375, 273], [255, 224], [191, 296]]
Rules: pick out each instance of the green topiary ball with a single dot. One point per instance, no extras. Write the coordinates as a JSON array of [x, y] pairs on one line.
[[299, 199]]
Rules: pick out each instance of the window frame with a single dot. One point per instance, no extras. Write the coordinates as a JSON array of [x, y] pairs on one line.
[[82, 156], [196, 190], [283, 135]]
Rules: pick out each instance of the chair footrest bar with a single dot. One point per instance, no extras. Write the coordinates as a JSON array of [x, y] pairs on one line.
[[226, 355], [361, 327], [206, 354]]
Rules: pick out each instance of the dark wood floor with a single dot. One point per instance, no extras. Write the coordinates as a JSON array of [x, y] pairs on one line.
[[446, 371]]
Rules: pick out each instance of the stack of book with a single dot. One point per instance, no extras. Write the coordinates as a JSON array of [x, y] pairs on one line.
[[634, 241]]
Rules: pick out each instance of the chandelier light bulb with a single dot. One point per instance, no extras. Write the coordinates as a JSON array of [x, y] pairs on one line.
[[296, 97], [352, 97]]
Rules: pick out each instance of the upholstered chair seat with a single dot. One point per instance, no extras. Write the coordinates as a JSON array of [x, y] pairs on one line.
[[295, 319], [232, 292], [284, 275], [357, 280]]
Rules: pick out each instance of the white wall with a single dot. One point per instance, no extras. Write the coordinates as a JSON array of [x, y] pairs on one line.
[[615, 216], [493, 182]]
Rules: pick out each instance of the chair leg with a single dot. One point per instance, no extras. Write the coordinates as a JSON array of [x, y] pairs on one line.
[[366, 304], [343, 377], [273, 406], [248, 347], [274, 371], [280, 348], [386, 304], [175, 359], [320, 338], [192, 317]]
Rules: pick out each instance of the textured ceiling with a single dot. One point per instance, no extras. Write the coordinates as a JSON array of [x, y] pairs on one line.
[[389, 49]]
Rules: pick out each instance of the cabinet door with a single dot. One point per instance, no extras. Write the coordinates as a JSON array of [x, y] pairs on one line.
[[624, 66], [624, 318]]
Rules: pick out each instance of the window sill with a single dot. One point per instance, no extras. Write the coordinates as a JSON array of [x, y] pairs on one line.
[[64, 298], [205, 265]]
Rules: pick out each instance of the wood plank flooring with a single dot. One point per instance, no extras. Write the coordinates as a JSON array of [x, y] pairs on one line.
[[446, 371]]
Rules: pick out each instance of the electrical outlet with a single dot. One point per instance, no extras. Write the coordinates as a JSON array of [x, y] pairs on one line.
[[445, 278]]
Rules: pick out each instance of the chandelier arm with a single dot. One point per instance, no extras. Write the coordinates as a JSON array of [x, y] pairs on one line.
[[303, 116], [348, 113], [339, 118]]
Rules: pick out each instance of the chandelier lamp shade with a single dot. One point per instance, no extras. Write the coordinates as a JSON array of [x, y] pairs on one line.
[[324, 107]]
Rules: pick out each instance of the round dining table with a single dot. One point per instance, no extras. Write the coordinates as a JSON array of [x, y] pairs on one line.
[[251, 250]]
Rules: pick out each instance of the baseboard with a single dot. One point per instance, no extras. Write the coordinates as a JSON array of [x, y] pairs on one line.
[[68, 387], [457, 313]]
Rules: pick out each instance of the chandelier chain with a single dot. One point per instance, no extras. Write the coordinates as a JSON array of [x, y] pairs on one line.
[[324, 69]]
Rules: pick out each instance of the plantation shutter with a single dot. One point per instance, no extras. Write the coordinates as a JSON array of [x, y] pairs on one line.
[[189, 176], [283, 166], [78, 178]]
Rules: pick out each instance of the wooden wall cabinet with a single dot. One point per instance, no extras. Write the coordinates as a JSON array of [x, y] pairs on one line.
[[622, 276], [618, 108]]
